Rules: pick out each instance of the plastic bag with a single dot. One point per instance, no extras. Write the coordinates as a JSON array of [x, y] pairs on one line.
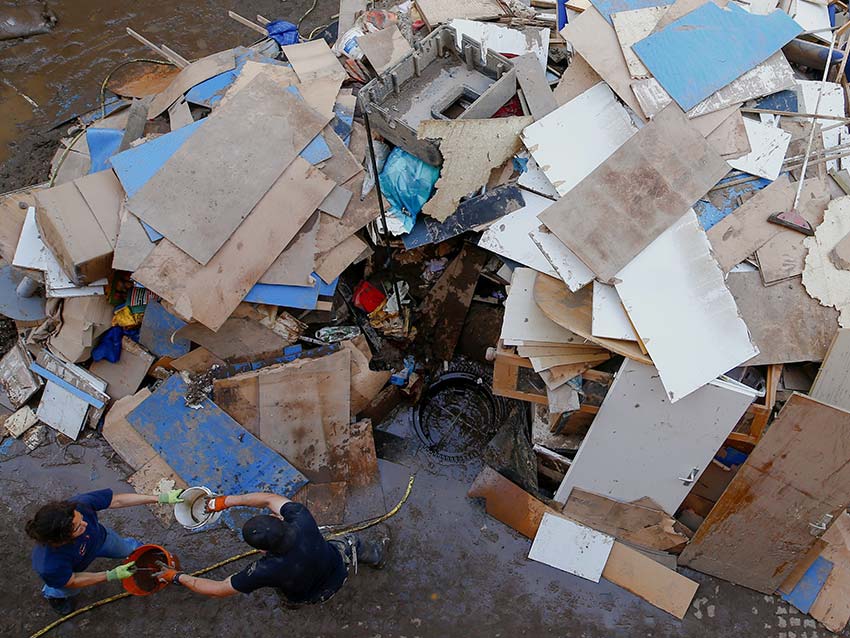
[[282, 32], [407, 183]]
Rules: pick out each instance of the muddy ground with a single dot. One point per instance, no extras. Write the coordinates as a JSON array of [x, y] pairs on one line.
[[62, 71], [455, 572]]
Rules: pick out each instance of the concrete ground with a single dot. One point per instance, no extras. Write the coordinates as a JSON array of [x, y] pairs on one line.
[[454, 572]]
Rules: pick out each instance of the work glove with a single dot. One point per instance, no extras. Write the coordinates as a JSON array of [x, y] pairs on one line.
[[168, 575], [216, 504], [122, 572], [170, 498]]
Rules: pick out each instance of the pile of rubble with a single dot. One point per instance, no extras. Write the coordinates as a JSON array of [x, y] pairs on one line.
[[241, 265]]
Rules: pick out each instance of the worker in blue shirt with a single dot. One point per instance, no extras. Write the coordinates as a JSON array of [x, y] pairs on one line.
[[69, 537]]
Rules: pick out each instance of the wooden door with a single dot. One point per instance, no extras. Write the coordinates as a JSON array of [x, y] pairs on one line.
[[768, 517]]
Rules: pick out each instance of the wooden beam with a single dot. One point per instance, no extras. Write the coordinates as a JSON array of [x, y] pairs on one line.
[[245, 22]]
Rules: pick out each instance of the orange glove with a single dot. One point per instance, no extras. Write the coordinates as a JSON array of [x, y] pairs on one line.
[[168, 575], [216, 504]]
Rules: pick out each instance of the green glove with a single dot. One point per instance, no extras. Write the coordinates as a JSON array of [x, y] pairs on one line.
[[171, 497], [122, 572]]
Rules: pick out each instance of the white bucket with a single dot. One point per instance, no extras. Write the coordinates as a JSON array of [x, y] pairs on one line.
[[192, 513]]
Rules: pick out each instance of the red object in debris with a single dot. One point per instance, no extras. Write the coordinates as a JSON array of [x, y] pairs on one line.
[[367, 297], [148, 559], [511, 108], [418, 24]]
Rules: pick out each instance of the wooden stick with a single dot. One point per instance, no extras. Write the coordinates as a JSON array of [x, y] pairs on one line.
[[247, 23], [178, 59], [148, 44], [262, 20], [791, 114]]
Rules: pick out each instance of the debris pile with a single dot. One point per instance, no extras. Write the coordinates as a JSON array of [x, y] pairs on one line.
[[241, 265]]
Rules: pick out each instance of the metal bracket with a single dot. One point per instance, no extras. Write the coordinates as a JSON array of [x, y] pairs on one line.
[[690, 478], [819, 527]]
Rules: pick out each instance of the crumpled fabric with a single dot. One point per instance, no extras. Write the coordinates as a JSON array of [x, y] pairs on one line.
[[407, 183], [283, 32], [109, 347]]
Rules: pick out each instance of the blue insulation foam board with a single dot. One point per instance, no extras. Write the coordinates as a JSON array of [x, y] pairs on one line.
[[157, 327], [301, 297], [103, 143], [209, 92], [709, 47], [807, 589], [725, 200], [607, 7], [207, 447]]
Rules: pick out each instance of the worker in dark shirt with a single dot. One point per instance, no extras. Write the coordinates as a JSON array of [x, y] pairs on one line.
[[297, 560], [69, 537]]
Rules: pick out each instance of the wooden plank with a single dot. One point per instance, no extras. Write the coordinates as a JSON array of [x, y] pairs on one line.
[[648, 579], [547, 363], [574, 312], [509, 503], [690, 325], [470, 149], [353, 454], [578, 77], [571, 547], [760, 527], [195, 73], [209, 294], [294, 266], [197, 361], [535, 88], [632, 193], [132, 245], [313, 60], [730, 139], [633, 523], [832, 383], [525, 321], [333, 231], [124, 376], [737, 236], [786, 324], [215, 197], [127, 443], [596, 42], [832, 605], [629, 463], [578, 137]]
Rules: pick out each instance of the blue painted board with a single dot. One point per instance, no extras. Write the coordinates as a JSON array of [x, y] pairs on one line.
[[724, 200], [706, 49], [157, 327], [207, 447], [209, 92], [103, 143], [607, 7], [301, 297], [317, 150], [780, 101], [47, 374], [135, 166], [807, 589]]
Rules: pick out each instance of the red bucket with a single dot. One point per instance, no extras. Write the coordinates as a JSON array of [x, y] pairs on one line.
[[143, 582]]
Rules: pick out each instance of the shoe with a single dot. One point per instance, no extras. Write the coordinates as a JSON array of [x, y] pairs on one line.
[[385, 553], [62, 606]]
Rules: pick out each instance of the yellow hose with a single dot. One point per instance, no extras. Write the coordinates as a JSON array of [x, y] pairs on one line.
[[357, 527]]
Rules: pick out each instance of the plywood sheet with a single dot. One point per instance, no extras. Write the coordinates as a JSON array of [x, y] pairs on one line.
[[641, 460], [525, 321], [635, 523], [531, 78], [124, 376], [210, 293], [333, 231], [313, 60], [294, 266], [729, 139], [332, 263], [436, 12], [633, 26], [572, 141], [189, 76], [384, 48], [786, 324], [597, 43], [571, 547], [241, 337], [633, 194], [133, 244], [509, 235], [823, 281], [197, 361], [760, 527], [577, 78], [239, 396], [127, 443], [832, 383], [509, 503], [470, 150], [574, 311], [648, 579], [609, 316], [213, 198], [739, 235], [690, 325]]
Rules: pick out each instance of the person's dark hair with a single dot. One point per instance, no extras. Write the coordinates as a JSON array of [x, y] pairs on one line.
[[269, 534], [53, 524]]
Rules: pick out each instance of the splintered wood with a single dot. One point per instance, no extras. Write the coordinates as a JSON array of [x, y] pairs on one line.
[[823, 281], [470, 150]]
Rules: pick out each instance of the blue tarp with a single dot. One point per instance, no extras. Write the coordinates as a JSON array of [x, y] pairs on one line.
[[708, 48]]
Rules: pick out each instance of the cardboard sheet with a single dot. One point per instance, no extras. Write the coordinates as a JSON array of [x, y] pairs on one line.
[[633, 193], [690, 325], [313, 60], [215, 198]]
